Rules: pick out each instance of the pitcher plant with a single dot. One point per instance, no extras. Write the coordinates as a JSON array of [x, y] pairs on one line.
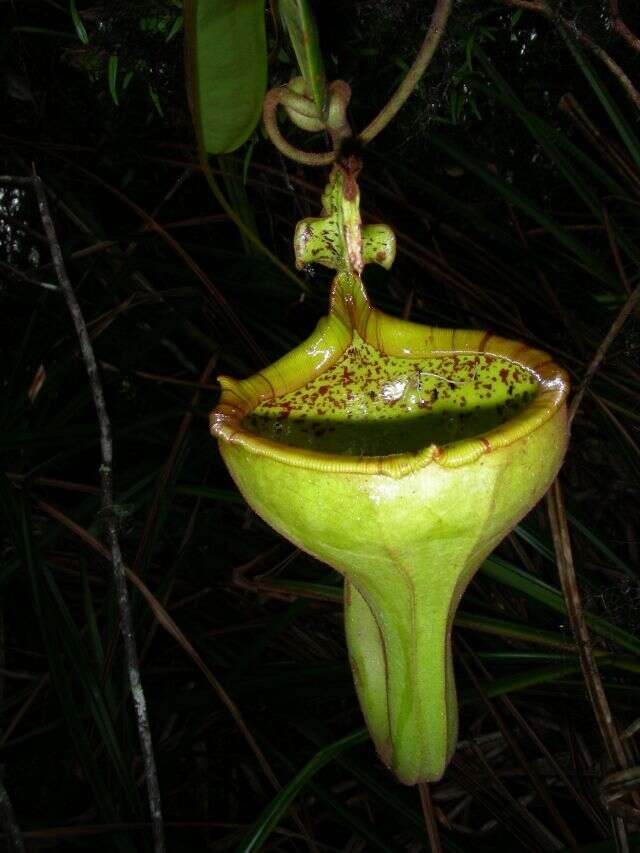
[[400, 455]]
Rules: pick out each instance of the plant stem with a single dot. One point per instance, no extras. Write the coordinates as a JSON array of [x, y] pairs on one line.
[[108, 513], [312, 158], [8, 821], [568, 579], [425, 54], [244, 229], [337, 125], [270, 118], [621, 28], [430, 820]]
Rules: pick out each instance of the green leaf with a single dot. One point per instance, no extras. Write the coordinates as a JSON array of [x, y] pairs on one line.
[[568, 161], [247, 158], [69, 668], [112, 76], [175, 29], [389, 795], [512, 630], [463, 619], [520, 681], [343, 810], [299, 22], [578, 251], [617, 119], [282, 801], [156, 100], [239, 199], [595, 540], [551, 141], [226, 69], [536, 589], [71, 646], [81, 30], [43, 31]]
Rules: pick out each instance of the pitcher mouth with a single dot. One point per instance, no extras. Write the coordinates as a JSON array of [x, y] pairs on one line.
[[379, 395]]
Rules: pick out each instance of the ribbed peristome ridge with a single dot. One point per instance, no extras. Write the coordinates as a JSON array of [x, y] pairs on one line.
[[351, 311]]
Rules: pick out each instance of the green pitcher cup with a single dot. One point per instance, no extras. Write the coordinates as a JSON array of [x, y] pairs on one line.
[[400, 455]]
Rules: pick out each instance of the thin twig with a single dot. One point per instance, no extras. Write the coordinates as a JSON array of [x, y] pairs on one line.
[[22, 710], [108, 514], [606, 407], [575, 612], [573, 32], [607, 148], [430, 821], [524, 725], [165, 475], [515, 747], [614, 746], [621, 28], [425, 55], [166, 621], [340, 94], [221, 303], [16, 180], [601, 352], [24, 277], [8, 820], [615, 249]]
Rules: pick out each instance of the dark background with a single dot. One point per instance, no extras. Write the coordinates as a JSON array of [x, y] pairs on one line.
[[511, 214]]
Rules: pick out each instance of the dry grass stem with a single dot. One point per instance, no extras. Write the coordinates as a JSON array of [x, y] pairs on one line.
[[108, 514], [15, 843], [615, 748], [430, 819], [621, 28], [623, 315], [572, 31]]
